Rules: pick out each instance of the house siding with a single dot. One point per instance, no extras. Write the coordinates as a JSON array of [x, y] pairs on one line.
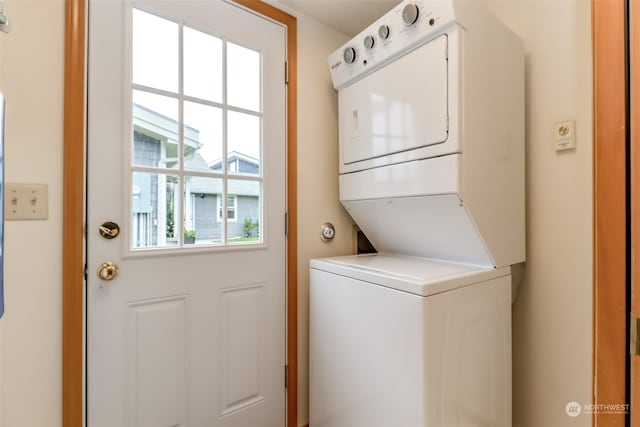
[[248, 207], [207, 225], [146, 152]]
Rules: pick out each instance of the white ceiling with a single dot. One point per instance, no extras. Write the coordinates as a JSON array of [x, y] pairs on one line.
[[347, 16]]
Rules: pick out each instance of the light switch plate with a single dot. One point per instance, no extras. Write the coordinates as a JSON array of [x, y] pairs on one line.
[[26, 201]]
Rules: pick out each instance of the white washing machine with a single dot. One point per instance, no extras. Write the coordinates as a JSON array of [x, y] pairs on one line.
[[431, 152], [399, 341]]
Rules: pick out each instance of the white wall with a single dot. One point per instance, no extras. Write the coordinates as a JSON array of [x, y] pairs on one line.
[[552, 316], [31, 77]]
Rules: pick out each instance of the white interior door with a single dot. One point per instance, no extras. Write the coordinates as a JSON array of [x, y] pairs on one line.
[[186, 155]]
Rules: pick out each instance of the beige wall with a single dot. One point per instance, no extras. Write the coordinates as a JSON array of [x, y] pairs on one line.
[[31, 77], [317, 175], [552, 317]]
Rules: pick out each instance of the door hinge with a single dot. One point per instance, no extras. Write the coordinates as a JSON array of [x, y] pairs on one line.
[[286, 72], [85, 272], [634, 338], [286, 376], [286, 224]]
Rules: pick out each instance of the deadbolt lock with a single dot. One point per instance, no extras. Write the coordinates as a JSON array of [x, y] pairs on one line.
[[109, 230], [107, 270]]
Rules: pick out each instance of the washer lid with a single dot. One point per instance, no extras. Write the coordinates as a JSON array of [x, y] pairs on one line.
[[419, 276]]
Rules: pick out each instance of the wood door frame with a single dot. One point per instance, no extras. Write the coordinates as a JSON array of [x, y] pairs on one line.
[[609, 208], [73, 206], [634, 165]]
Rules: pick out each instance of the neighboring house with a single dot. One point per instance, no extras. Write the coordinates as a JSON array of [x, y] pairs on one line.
[[154, 205], [238, 163]]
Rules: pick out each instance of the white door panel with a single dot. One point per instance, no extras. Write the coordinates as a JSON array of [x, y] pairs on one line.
[[185, 334]]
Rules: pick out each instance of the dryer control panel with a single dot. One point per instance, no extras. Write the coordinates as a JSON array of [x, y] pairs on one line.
[[408, 25]]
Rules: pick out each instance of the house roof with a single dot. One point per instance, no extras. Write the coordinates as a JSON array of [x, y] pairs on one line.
[[216, 164], [165, 129]]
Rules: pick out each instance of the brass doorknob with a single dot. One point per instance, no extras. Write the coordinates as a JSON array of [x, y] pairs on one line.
[[107, 270]]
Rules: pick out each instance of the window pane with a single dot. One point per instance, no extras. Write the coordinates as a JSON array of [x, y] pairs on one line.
[[201, 224], [243, 77], [155, 130], [202, 65], [231, 208], [202, 137], [244, 212], [243, 143], [155, 51], [185, 210], [154, 210]]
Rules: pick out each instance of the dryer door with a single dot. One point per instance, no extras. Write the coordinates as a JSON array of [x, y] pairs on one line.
[[400, 107]]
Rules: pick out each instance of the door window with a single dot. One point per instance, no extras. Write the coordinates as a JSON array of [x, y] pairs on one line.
[[196, 122]]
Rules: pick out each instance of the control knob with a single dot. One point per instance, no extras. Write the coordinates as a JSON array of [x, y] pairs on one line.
[[410, 14], [369, 42], [349, 55], [383, 32]]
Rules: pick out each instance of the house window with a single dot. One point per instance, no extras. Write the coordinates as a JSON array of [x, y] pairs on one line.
[[233, 166], [231, 208]]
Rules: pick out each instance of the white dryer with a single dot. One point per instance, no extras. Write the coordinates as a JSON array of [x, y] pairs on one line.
[[431, 117], [431, 133]]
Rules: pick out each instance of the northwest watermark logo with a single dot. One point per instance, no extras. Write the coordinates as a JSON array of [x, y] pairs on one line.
[[573, 409]]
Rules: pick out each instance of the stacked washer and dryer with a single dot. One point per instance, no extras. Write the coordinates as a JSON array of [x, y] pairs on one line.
[[431, 122]]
